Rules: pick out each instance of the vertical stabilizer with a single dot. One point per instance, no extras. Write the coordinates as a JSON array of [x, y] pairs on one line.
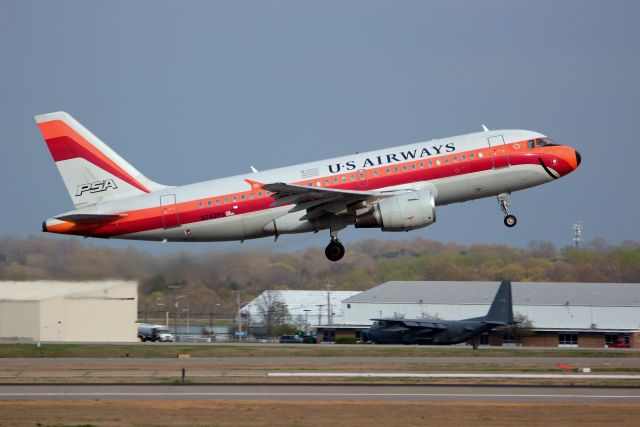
[[501, 310], [92, 172]]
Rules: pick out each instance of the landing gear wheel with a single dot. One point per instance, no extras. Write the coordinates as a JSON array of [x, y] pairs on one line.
[[334, 250], [510, 221]]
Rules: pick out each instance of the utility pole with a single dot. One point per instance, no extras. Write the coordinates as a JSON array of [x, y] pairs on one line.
[[173, 289], [329, 314], [320, 313], [239, 316]]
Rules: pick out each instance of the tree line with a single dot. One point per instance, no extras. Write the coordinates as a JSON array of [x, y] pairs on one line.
[[210, 280]]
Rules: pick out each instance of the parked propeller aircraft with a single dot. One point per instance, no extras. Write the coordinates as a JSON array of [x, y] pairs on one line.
[[422, 331], [395, 189]]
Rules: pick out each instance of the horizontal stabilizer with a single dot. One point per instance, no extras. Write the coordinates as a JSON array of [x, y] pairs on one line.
[[89, 218]]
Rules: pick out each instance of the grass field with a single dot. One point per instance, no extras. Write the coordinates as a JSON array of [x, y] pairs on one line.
[[149, 350]]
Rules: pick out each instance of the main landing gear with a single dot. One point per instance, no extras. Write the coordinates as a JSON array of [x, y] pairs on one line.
[[334, 250], [503, 201]]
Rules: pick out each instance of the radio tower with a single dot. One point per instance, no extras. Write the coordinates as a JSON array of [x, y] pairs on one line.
[[577, 234]]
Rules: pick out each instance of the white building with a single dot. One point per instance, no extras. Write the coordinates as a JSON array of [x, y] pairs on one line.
[[311, 307], [69, 311]]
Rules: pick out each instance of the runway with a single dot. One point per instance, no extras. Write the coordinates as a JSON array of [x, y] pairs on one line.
[[373, 360], [340, 392]]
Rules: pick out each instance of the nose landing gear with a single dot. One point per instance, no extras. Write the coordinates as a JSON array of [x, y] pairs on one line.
[[335, 250], [503, 201]]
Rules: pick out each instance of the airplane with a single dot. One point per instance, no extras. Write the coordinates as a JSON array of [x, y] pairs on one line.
[[422, 331], [393, 189]]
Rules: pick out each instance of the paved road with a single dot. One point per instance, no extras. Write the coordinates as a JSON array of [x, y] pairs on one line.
[[376, 360], [320, 392]]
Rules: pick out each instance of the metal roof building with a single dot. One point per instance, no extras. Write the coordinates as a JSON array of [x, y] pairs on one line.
[[563, 308], [68, 311]]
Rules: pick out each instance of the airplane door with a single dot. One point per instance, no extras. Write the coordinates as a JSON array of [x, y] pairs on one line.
[[169, 211], [363, 181], [498, 152]]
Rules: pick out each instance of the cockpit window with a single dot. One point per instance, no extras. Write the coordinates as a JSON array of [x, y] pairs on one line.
[[544, 142], [532, 143]]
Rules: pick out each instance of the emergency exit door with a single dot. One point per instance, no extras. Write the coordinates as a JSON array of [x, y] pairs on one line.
[[499, 153]]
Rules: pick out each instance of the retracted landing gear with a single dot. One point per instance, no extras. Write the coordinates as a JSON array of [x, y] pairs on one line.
[[334, 250], [503, 201]]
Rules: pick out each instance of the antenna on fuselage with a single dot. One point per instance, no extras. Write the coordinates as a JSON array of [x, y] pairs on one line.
[[254, 170], [484, 128]]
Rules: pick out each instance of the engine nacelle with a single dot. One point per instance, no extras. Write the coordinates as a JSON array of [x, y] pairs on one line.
[[404, 212]]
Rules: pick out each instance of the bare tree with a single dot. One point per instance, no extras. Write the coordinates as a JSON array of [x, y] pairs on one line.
[[272, 312], [521, 326]]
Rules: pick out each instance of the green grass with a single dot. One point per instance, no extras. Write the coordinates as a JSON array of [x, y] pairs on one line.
[[148, 350]]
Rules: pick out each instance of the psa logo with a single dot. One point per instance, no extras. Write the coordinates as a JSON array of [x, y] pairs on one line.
[[96, 187]]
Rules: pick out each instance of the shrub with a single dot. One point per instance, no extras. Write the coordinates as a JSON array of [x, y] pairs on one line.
[[346, 340]]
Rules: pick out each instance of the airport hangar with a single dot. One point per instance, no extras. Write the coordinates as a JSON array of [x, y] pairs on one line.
[[561, 314], [104, 311]]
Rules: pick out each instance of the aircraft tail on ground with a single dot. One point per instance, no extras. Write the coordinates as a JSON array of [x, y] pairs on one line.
[[501, 310], [92, 172]]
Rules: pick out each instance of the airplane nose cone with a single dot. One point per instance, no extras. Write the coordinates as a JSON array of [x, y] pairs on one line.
[[578, 158]]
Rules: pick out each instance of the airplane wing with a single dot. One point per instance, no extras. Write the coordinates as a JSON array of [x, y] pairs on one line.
[[318, 201]]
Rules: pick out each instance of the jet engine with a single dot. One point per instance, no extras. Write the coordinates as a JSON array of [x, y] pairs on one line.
[[404, 212]]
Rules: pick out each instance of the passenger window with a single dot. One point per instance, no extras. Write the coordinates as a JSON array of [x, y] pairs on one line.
[[472, 156], [209, 203], [243, 197], [352, 177], [251, 196], [375, 173], [226, 200], [344, 178], [404, 167], [310, 184], [217, 201], [531, 143], [388, 171], [438, 162], [446, 160], [327, 182], [259, 193], [480, 154], [430, 163], [235, 199], [464, 157], [421, 164], [395, 169], [200, 204], [413, 166], [335, 180], [455, 158]]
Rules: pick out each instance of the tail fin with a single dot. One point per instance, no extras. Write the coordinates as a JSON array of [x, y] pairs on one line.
[[501, 310], [92, 172]]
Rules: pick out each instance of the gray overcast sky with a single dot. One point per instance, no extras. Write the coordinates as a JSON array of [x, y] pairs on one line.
[[189, 91]]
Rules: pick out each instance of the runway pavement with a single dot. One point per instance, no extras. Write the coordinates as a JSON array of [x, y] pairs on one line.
[[339, 392], [375, 360]]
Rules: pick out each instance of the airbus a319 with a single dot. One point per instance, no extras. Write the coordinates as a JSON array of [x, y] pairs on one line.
[[395, 189]]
